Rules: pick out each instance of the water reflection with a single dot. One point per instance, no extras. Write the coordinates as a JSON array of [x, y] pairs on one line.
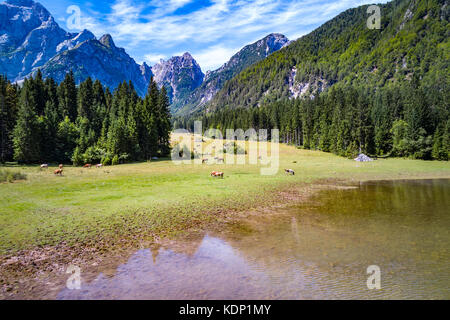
[[319, 250]]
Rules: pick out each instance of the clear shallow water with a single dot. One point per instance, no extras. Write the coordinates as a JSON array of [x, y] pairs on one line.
[[319, 250]]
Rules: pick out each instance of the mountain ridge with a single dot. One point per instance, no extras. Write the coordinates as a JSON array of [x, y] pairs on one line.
[[180, 75], [42, 44], [214, 80], [414, 39], [30, 39]]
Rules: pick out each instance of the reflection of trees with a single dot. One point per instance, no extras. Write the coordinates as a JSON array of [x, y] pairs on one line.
[[388, 222]]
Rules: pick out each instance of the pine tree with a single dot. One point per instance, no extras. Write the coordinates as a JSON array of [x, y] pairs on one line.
[[164, 127], [67, 136], [67, 92], [26, 134], [4, 132], [39, 93], [86, 99], [148, 125]]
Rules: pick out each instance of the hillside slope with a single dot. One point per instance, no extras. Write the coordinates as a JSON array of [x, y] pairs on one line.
[[180, 75], [101, 60], [215, 80], [414, 39], [31, 39]]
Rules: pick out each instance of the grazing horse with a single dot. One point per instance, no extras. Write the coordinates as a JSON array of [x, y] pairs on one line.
[[99, 165], [44, 166], [58, 172], [87, 165], [217, 174], [289, 171]]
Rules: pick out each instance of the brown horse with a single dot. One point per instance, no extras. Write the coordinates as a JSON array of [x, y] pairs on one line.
[[87, 165], [217, 174], [58, 172]]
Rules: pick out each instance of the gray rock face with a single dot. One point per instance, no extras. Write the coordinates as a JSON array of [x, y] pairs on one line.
[[29, 37], [180, 76], [102, 60], [146, 72], [215, 80], [73, 42]]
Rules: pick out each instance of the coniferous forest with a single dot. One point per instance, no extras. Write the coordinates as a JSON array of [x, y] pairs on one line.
[[406, 120], [345, 88], [43, 122]]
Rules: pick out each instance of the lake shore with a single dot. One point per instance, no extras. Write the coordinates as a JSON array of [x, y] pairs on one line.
[[98, 242]]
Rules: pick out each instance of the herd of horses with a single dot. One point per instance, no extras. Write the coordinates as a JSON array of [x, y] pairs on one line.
[[214, 174], [59, 171]]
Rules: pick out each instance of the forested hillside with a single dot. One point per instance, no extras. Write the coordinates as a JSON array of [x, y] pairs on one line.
[[347, 89], [414, 39], [45, 122], [215, 80], [403, 121]]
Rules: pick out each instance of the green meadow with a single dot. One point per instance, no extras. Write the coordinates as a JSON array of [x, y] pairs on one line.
[[160, 198]]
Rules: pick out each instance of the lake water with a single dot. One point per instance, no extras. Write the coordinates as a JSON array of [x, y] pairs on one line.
[[318, 250]]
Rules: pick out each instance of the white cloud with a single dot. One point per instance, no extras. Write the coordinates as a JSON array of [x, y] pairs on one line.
[[152, 59], [213, 57], [212, 33]]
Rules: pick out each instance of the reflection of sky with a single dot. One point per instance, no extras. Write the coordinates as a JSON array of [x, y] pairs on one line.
[[319, 250], [214, 271], [211, 30]]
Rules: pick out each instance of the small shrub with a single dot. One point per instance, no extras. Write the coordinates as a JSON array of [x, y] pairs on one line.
[[77, 157], [115, 160], [106, 161], [234, 149], [123, 158], [11, 176], [93, 155]]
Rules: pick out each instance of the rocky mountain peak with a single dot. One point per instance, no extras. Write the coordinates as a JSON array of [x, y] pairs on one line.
[[85, 35], [146, 72], [187, 55], [81, 37], [180, 75], [29, 37], [107, 41], [274, 42], [215, 80]]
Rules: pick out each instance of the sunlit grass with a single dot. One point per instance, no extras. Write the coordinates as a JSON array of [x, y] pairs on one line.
[[160, 197]]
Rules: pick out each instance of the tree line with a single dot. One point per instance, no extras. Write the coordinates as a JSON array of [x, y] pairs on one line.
[[402, 120], [41, 121]]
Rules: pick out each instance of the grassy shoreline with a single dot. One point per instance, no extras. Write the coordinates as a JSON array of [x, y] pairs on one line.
[[91, 216], [162, 199]]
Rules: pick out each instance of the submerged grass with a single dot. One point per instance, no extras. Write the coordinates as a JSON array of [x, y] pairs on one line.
[[161, 198]]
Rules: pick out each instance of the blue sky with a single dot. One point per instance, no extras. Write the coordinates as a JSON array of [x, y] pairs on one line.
[[211, 30]]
